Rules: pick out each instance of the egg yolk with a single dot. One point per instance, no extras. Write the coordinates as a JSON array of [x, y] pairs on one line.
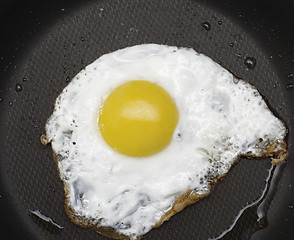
[[138, 118]]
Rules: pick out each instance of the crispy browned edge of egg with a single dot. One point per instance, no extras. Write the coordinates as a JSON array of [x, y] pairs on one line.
[[276, 150]]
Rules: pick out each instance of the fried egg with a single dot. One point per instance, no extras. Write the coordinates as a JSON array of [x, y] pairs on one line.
[[144, 131]]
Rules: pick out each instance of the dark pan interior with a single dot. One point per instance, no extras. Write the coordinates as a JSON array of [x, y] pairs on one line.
[[45, 43]]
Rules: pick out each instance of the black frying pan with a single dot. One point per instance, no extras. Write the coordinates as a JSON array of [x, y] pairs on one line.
[[45, 43]]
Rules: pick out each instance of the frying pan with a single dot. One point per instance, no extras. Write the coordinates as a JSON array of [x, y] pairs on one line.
[[45, 43]]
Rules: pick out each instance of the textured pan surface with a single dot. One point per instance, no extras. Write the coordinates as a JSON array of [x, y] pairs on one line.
[[58, 40]]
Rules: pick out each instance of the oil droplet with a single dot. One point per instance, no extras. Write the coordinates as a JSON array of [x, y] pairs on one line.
[[10, 104], [206, 25], [290, 75], [133, 30], [275, 85], [18, 87], [1, 99], [250, 62], [290, 86], [67, 79], [232, 44], [24, 79], [220, 22]]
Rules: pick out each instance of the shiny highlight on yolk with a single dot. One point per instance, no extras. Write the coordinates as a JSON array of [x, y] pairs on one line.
[[138, 118]]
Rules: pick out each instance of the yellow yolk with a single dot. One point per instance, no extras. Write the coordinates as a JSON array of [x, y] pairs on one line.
[[138, 118]]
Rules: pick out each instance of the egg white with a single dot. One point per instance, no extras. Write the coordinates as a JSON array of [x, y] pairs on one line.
[[220, 119]]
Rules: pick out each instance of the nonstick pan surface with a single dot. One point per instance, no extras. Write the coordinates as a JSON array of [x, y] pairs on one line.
[[46, 43]]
